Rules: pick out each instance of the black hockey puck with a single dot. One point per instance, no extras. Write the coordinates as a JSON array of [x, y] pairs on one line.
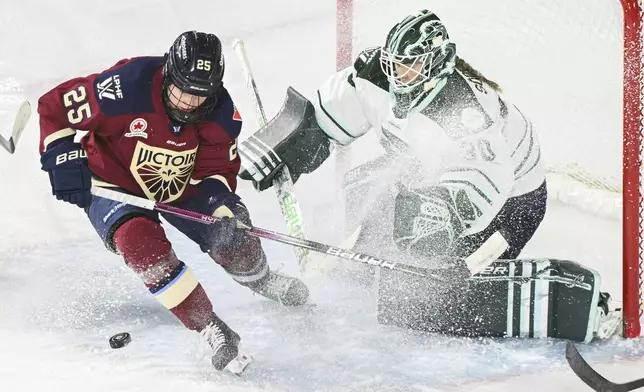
[[120, 340]]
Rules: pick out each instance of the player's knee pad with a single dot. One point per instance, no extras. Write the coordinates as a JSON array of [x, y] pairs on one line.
[[142, 242], [223, 205], [245, 263], [147, 251], [108, 215], [240, 254]]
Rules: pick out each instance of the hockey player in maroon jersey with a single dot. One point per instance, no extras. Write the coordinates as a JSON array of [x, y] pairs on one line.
[[164, 128]]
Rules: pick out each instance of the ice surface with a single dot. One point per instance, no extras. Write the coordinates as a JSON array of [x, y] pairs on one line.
[[63, 294]]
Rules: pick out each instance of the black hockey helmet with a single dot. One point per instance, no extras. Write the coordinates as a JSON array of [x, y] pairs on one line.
[[194, 65], [421, 41]]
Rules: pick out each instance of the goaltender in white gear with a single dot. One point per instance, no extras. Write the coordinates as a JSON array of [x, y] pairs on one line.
[[463, 166], [459, 146]]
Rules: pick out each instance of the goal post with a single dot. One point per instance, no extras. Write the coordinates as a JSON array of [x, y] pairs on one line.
[[632, 168]]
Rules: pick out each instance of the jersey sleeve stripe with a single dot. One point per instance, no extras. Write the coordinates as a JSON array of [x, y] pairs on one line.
[[528, 154], [332, 119], [534, 164], [474, 170], [66, 132], [528, 131]]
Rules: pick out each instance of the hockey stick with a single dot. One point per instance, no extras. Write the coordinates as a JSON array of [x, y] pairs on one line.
[[593, 379], [251, 230], [19, 124], [282, 183]]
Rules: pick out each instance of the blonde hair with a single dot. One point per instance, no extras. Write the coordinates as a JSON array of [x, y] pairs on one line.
[[468, 70]]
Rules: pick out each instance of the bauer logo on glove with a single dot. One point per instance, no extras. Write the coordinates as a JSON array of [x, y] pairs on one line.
[[70, 156]]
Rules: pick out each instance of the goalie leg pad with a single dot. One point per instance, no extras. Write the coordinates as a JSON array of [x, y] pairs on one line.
[[512, 298]]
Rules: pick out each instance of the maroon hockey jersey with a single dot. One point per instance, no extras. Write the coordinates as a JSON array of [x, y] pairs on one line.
[[131, 143]]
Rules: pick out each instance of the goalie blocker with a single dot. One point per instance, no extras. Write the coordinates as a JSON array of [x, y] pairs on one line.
[[532, 298], [291, 138]]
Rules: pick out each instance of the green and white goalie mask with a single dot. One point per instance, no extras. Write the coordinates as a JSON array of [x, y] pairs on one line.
[[417, 58]]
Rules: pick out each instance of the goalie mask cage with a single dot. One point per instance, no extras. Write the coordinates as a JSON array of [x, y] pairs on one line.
[[586, 55]]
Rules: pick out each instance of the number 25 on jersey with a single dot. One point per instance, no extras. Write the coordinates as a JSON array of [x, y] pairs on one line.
[[71, 99]]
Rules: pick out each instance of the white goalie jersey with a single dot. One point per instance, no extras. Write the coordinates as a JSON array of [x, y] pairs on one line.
[[467, 138]]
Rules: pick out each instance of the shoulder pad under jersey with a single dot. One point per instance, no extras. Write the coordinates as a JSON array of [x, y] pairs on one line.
[[225, 114], [367, 67], [459, 109], [127, 87]]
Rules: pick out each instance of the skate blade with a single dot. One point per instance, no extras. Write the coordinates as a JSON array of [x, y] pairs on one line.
[[610, 326], [239, 364]]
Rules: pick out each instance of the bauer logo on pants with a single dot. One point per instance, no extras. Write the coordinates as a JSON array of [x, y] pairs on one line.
[[162, 174]]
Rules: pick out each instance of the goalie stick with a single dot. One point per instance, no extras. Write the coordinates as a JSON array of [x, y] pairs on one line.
[[251, 230], [19, 124], [282, 183], [593, 379]]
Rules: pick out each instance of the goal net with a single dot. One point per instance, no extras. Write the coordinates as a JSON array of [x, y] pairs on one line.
[[574, 67]]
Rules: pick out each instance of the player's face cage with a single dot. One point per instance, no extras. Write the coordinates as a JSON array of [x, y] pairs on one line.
[[187, 108], [405, 72]]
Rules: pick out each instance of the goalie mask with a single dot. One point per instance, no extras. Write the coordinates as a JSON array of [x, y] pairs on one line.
[[417, 59], [192, 76]]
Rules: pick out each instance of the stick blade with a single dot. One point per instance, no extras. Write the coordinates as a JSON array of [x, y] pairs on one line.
[[586, 373], [24, 112], [19, 124]]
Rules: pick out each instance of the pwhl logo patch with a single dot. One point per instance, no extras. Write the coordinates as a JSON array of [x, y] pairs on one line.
[[137, 128], [162, 174], [110, 88]]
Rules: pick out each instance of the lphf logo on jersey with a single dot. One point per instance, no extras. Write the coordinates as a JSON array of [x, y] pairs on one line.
[[110, 88], [162, 174], [137, 128]]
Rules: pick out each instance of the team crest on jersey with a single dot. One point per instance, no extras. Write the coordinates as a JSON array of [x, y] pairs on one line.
[[236, 115], [162, 174], [137, 128], [110, 88]]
